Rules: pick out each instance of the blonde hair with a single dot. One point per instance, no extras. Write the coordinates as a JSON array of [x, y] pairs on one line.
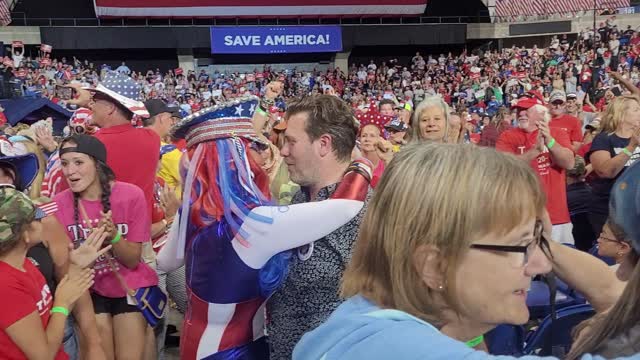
[[431, 101], [612, 117], [436, 194]]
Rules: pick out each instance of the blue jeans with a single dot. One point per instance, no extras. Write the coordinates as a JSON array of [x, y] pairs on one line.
[[70, 340]]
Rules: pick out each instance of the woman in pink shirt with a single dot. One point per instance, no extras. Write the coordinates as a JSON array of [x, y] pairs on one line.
[[95, 199]]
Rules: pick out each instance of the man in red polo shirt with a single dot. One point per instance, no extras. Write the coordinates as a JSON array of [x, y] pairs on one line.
[[561, 120], [132, 153], [548, 151]]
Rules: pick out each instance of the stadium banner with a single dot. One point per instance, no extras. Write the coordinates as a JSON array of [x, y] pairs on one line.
[[275, 39], [257, 8]]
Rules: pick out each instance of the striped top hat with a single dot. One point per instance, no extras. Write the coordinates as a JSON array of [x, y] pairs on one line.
[[224, 120]]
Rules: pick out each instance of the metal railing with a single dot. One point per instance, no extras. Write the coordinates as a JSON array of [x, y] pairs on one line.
[[20, 19]]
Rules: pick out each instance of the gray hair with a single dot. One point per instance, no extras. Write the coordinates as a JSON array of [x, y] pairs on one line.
[[430, 101], [542, 110]]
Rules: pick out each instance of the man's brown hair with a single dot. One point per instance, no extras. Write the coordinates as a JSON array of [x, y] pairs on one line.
[[328, 114]]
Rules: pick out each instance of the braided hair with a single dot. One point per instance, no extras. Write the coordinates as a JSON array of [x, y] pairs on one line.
[[105, 176]]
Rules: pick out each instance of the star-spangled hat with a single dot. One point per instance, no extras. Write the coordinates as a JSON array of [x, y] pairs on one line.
[[224, 120], [122, 89]]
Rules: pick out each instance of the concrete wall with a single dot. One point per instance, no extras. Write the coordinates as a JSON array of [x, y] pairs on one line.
[[29, 35]]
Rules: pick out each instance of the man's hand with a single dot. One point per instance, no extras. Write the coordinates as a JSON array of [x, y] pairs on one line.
[[82, 97], [384, 150], [273, 90], [543, 126]]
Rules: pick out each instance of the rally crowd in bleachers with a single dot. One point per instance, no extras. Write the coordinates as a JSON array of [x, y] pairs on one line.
[[301, 214]]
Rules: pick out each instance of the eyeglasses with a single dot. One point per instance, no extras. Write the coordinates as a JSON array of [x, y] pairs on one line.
[[526, 251], [608, 238]]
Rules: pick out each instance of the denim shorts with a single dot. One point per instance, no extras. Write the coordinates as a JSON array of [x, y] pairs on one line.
[[70, 340]]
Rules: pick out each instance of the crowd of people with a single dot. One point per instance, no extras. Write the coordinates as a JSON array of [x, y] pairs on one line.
[[577, 65], [395, 210]]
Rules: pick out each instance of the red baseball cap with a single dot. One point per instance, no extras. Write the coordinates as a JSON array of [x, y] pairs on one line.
[[525, 103]]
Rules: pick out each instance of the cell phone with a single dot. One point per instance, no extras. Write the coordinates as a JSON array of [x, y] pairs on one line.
[[616, 91], [64, 92]]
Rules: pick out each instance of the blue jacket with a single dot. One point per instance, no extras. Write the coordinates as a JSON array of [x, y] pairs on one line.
[[359, 330]]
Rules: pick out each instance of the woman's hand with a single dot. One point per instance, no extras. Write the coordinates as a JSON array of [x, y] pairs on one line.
[[72, 286], [169, 201], [109, 227], [45, 138], [634, 141], [87, 253]]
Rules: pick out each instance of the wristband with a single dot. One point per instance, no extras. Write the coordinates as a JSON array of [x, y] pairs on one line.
[[61, 310], [260, 111], [117, 238], [551, 143], [627, 152], [475, 341]]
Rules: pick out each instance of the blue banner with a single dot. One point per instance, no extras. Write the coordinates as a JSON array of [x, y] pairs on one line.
[[275, 40]]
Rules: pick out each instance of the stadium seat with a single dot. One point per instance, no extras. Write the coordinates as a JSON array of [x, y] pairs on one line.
[[506, 340], [554, 337], [538, 300]]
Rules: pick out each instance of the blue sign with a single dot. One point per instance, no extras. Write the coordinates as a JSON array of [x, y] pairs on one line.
[[275, 40]]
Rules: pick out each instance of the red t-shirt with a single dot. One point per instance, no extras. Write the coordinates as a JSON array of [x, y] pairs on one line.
[[552, 178], [23, 292], [133, 155], [569, 124]]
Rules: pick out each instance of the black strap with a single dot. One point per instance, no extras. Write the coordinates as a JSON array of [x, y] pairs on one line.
[[547, 344]]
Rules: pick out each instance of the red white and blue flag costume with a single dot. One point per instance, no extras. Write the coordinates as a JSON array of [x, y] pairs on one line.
[[234, 243]]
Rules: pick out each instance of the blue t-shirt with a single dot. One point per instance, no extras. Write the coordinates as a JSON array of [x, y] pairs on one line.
[[601, 188], [358, 330]]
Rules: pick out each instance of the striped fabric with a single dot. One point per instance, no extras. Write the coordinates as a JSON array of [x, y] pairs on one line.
[[5, 13], [49, 208], [514, 8]]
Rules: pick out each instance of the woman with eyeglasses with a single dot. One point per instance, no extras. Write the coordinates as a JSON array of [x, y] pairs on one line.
[[612, 244], [422, 285]]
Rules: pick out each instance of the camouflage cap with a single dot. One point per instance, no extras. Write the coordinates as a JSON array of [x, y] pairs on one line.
[[16, 209], [579, 169]]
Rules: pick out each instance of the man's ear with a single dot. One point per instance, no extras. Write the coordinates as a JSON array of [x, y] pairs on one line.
[[325, 143], [429, 264]]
